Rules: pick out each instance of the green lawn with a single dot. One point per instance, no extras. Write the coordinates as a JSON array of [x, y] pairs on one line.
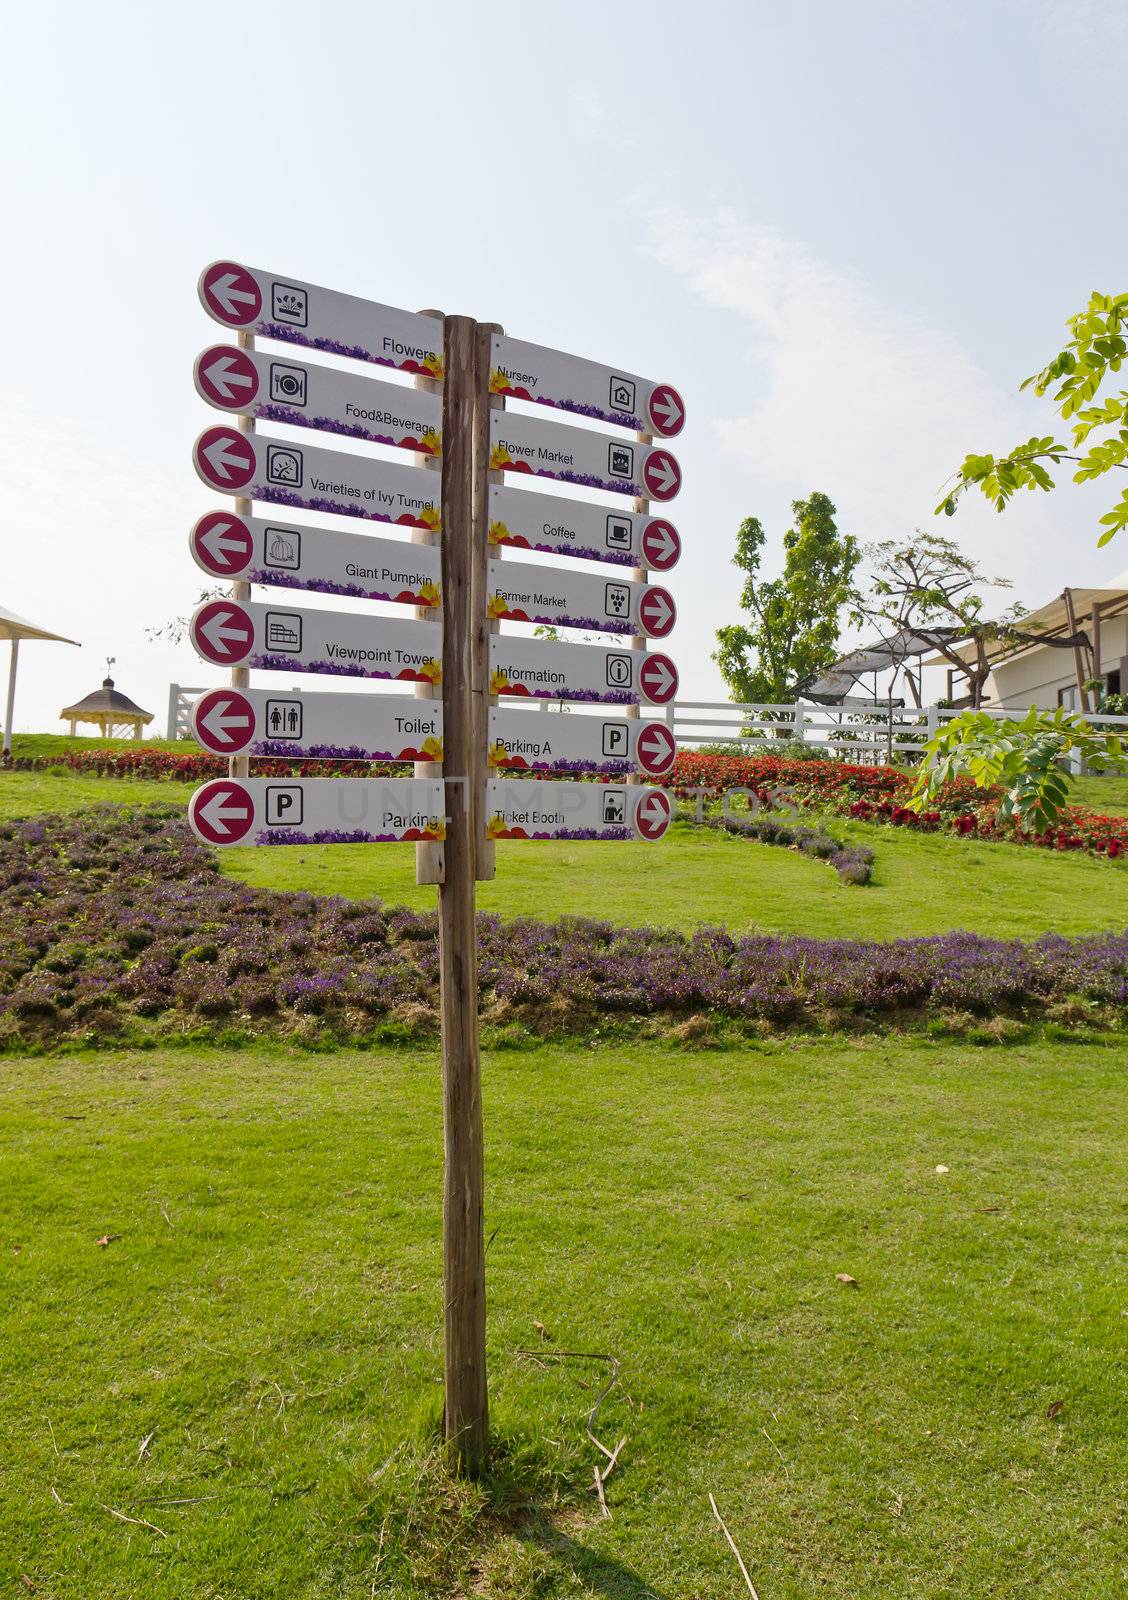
[[922, 883], [51, 744], [266, 1315]]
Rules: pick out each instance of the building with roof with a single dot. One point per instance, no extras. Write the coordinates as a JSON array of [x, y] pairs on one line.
[[1083, 641], [109, 710]]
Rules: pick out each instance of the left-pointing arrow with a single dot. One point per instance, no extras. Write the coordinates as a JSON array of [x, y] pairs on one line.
[[227, 377], [219, 720], [216, 814], [226, 458]]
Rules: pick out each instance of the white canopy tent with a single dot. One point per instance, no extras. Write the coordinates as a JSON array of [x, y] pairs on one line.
[[17, 628]]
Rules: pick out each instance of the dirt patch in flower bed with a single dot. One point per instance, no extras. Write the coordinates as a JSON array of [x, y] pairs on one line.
[[115, 924]]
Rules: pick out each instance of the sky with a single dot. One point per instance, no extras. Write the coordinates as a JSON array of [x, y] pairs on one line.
[[845, 232]]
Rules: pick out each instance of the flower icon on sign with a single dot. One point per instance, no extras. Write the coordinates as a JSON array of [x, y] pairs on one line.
[[433, 748], [495, 827], [499, 683], [497, 755], [432, 671], [428, 595], [499, 458], [496, 607], [431, 443], [499, 533], [430, 518], [433, 366]]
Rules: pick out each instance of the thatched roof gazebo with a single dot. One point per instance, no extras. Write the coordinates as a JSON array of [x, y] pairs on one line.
[[108, 709]]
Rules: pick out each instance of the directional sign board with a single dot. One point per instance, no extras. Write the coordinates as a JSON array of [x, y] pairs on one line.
[[283, 638], [531, 372], [581, 455], [520, 592], [547, 670], [308, 395], [297, 556], [317, 810], [537, 809], [544, 741], [526, 520], [303, 313], [317, 480], [342, 727]]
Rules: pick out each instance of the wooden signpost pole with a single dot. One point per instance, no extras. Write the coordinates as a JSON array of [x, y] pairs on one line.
[[429, 856], [240, 766], [466, 1417]]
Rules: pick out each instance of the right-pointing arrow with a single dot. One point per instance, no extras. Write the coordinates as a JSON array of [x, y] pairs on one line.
[[662, 474]]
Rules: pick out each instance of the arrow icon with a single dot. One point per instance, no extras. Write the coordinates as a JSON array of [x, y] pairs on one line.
[[215, 722], [226, 456], [661, 545], [225, 292], [225, 377], [664, 403], [225, 640], [657, 613], [662, 476], [656, 749], [658, 678], [652, 815], [217, 546], [216, 813]]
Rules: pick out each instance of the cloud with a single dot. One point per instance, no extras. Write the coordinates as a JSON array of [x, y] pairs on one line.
[[862, 398]]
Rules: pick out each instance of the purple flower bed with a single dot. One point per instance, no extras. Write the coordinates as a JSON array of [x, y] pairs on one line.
[[116, 924], [290, 580]]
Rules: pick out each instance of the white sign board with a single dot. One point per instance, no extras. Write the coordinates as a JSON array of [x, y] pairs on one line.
[[304, 313], [574, 741], [536, 809], [548, 449], [291, 555], [285, 638], [519, 592], [547, 670], [526, 520], [552, 378], [317, 810], [316, 480], [330, 727], [308, 395]]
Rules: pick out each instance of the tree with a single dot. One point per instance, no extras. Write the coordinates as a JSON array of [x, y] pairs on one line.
[[930, 583], [792, 634], [1096, 349], [1027, 758]]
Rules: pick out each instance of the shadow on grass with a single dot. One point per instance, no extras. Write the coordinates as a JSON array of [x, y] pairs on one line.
[[520, 1530]]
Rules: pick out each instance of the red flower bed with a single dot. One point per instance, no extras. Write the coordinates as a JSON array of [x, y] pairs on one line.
[[879, 794], [871, 794]]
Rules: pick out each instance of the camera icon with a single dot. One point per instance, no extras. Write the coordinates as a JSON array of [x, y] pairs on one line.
[[287, 384]]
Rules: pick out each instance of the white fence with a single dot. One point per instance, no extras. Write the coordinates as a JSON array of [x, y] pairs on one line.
[[874, 734]]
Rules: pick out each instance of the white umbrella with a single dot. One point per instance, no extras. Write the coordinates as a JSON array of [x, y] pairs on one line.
[[17, 628]]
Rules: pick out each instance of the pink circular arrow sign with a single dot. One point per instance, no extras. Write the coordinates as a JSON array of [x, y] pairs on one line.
[[224, 721], [665, 410], [224, 458], [661, 545], [656, 750], [226, 377], [221, 543], [658, 679], [661, 475], [230, 294], [657, 612], [652, 813], [222, 812], [222, 632]]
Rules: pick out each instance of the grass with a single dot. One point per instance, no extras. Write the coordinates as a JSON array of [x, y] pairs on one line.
[[267, 1312], [923, 884], [29, 745]]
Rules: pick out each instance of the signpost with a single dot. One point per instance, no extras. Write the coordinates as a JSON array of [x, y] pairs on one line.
[[317, 810], [345, 727], [582, 456], [296, 312], [569, 599], [286, 638], [535, 809], [548, 670], [262, 468], [569, 383], [309, 395], [526, 520], [538, 741], [460, 517], [292, 555]]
